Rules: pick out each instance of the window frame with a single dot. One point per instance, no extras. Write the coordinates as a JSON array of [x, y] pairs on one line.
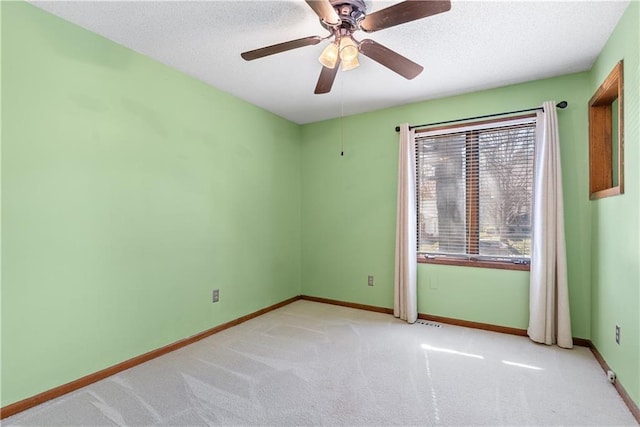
[[470, 260], [603, 141]]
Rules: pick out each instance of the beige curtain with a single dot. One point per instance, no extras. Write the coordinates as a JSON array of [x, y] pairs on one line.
[[405, 294], [549, 320]]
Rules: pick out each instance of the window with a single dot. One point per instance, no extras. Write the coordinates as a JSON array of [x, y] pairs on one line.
[[606, 137], [474, 189]]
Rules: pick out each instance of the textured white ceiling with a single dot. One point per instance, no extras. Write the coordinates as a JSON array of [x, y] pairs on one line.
[[477, 45]]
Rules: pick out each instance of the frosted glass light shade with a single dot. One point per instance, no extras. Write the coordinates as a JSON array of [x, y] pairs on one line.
[[348, 54], [329, 56], [348, 49], [350, 64]]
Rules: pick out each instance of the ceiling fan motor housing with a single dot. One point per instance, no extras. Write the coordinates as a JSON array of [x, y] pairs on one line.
[[351, 12]]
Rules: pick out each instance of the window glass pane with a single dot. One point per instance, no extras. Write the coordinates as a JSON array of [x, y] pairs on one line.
[[441, 187], [506, 178], [615, 144]]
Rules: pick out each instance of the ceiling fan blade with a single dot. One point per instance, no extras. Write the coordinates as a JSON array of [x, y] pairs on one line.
[[325, 11], [280, 47], [327, 76], [390, 59], [400, 13]]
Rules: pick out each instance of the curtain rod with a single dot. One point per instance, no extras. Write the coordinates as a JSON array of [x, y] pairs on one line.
[[561, 104]]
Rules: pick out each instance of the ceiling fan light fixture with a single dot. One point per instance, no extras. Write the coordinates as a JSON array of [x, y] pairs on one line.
[[329, 56]]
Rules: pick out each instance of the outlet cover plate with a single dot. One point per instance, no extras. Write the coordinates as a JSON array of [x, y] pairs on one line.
[[216, 295]]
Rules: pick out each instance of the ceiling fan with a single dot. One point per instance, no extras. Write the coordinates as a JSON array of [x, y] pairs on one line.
[[343, 18]]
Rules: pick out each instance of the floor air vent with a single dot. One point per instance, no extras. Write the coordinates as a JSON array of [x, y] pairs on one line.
[[427, 323]]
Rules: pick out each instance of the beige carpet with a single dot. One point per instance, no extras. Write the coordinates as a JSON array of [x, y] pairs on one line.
[[317, 364]]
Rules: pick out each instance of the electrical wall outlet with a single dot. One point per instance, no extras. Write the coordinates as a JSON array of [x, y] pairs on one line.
[[370, 281], [618, 334], [216, 295]]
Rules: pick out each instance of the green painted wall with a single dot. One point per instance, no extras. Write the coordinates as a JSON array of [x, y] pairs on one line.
[[348, 209], [129, 192], [1, 64], [615, 229]]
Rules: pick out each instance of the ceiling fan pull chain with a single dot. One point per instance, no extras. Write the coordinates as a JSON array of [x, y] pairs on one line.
[[342, 116]]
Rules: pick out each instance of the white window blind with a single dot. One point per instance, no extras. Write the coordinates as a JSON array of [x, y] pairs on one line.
[[475, 190]]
